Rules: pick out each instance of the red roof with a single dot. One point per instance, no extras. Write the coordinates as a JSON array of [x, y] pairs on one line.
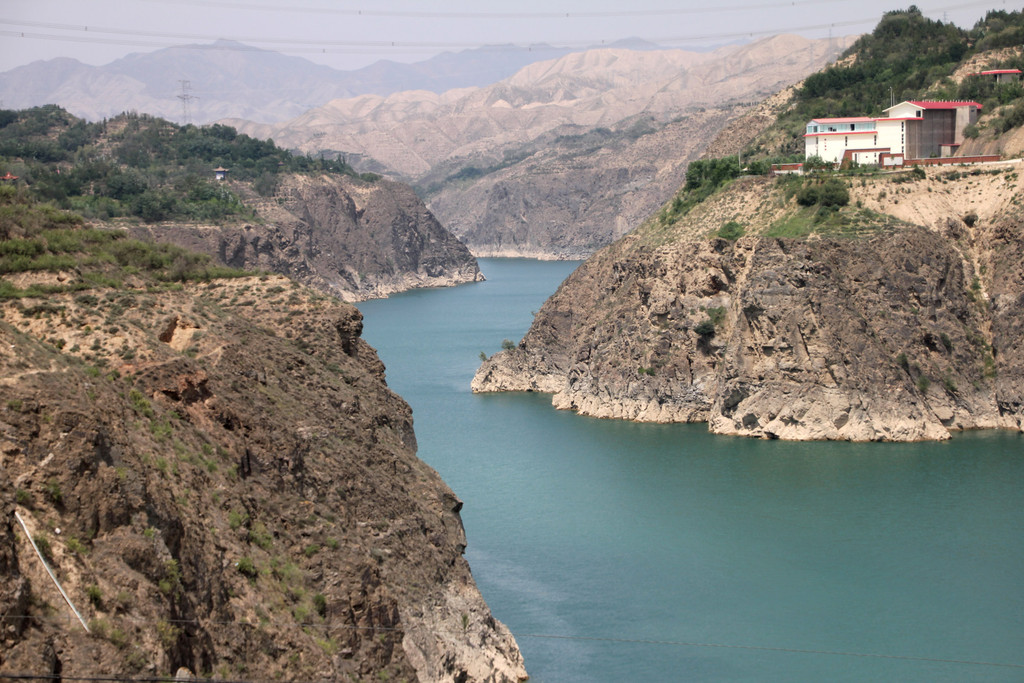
[[848, 119], [942, 105], [997, 71], [8, 176]]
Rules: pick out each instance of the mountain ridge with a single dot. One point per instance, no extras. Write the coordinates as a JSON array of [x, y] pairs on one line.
[[229, 79]]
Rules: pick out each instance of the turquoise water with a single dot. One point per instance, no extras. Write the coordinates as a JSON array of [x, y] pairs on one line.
[[626, 552]]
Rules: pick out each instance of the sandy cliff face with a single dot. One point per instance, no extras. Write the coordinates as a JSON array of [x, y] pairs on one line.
[[354, 239], [223, 481], [893, 332]]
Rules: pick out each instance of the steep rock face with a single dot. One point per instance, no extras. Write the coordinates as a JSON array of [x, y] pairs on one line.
[[354, 239], [223, 482], [578, 193], [886, 336]]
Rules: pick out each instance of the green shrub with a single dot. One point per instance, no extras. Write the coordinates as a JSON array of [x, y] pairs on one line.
[[53, 491], [731, 231], [43, 544], [259, 535], [833, 193], [237, 518], [705, 328], [247, 567], [807, 196]]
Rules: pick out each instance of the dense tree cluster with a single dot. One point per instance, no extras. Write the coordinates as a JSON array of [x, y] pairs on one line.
[[142, 166]]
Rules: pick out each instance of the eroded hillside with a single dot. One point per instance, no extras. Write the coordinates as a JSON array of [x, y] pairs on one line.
[[219, 476], [353, 239], [766, 317]]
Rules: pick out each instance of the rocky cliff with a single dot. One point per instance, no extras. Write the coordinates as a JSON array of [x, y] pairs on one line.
[[349, 237], [221, 480], [894, 318]]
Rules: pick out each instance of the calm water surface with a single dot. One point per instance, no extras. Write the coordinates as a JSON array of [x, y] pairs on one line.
[[626, 552]]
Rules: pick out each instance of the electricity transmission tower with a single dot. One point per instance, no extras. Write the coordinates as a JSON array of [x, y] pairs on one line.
[[186, 98]]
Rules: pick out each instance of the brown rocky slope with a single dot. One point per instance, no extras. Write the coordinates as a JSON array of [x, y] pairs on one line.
[[345, 236], [868, 327], [223, 481]]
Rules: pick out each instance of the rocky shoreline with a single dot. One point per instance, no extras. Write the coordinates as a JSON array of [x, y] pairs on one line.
[[902, 333]]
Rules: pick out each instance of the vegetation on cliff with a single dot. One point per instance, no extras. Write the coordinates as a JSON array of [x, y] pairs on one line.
[[141, 166], [352, 235], [38, 238], [218, 475]]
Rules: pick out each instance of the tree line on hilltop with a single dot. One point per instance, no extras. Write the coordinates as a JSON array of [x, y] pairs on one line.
[[141, 166]]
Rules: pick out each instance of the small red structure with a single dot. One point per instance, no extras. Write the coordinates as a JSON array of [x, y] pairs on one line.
[[8, 177], [1000, 75]]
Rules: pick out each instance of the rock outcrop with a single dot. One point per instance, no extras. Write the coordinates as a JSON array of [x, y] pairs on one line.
[[883, 330], [351, 238], [222, 481]]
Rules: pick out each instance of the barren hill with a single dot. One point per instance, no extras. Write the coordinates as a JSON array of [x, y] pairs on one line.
[[562, 157], [230, 79]]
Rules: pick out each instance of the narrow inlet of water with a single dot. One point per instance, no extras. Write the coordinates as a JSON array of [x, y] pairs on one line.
[[627, 552]]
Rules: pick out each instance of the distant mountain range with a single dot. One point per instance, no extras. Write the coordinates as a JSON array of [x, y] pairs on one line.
[[228, 79], [564, 156]]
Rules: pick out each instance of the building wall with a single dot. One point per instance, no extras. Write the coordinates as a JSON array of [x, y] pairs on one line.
[[938, 127], [832, 147], [964, 117], [891, 135]]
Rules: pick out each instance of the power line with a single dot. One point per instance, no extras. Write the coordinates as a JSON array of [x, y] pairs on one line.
[[87, 34], [421, 14]]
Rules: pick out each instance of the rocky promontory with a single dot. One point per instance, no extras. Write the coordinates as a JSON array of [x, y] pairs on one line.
[[896, 318], [221, 480], [347, 236]]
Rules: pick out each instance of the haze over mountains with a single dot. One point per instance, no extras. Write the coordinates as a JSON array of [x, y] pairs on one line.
[[231, 79]]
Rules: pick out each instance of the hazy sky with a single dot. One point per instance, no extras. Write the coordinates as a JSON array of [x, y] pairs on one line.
[[348, 35]]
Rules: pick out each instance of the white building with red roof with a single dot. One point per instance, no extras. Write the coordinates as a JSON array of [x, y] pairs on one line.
[[908, 130]]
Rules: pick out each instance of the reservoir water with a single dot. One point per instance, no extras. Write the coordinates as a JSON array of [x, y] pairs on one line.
[[629, 552]]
